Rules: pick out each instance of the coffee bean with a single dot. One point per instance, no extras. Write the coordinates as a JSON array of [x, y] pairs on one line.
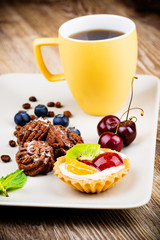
[[26, 105], [67, 113], [5, 158], [58, 105], [32, 117], [33, 99], [12, 143], [50, 104], [50, 114]]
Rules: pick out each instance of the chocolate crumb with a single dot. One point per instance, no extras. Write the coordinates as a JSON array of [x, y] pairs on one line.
[[58, 105], [15, 133], [33, 99], [17, 127], [50, 104], [32, 117], [12, 143], [5, 158], [26, 105], [67, 113], [50, 114]]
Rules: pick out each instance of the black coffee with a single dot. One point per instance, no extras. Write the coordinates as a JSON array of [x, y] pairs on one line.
[[96, 35]]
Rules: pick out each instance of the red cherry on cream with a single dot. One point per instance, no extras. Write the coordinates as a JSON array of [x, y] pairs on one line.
[[107, 160]]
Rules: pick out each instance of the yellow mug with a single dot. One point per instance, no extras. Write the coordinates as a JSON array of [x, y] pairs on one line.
[[99, 72]]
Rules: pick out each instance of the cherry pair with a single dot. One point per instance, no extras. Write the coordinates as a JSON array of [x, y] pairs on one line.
[[114, 133]]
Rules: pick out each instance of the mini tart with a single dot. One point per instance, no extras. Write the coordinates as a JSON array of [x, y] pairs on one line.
[[90, 185]]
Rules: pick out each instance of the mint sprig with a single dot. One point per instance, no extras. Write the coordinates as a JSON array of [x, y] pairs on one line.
[[12, 181]]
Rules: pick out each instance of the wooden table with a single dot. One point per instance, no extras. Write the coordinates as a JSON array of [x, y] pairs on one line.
[[20, 23]]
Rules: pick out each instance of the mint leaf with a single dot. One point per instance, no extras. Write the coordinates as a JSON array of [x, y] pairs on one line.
[[3, 190], [12, 181]]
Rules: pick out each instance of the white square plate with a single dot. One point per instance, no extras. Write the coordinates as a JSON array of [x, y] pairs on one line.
[[133, 190]]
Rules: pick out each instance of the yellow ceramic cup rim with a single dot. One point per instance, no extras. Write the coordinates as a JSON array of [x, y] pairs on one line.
[[94, 22]]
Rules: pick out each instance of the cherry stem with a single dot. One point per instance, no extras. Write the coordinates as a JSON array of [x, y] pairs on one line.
[[129, 107], [131, 97], [133, 117], [142, 113]]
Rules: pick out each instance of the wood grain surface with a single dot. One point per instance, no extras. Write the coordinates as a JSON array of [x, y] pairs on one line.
[[20, 23]]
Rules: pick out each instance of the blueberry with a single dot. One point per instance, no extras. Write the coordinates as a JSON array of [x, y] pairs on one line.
[[75, 130], [21, 118], [41, 110], [61, 119]]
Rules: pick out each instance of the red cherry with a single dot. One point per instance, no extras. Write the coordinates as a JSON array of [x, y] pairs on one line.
[[107, 160], [108, 124], [88, 163], [127, 131], [111, 140]]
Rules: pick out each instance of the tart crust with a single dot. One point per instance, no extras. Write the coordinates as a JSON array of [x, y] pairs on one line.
[[90, 185]]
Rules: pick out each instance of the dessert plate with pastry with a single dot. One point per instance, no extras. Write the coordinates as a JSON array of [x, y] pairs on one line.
[[65, 169]]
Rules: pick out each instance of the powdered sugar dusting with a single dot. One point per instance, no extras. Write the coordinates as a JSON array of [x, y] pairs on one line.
[[43, 120]]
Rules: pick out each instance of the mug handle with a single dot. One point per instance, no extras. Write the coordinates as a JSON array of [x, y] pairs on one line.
[[37, 43]]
